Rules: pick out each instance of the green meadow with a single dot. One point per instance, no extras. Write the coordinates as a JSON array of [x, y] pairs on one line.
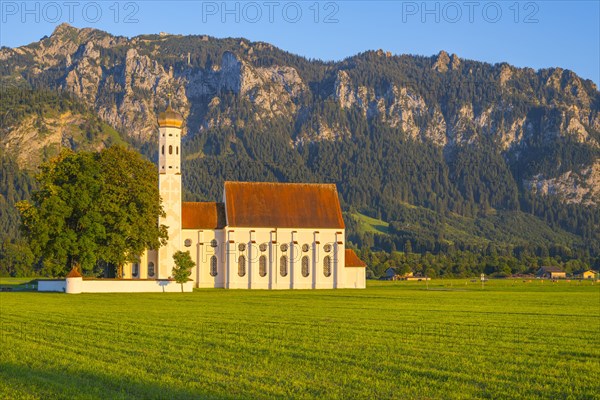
[[450, 340]]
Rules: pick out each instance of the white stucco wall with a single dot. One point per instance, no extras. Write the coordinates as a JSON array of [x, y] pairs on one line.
[[272, 239], [119, 286], [201, 252], [356, 278]]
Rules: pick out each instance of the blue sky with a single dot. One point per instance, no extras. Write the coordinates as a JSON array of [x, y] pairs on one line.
[[537, 34]]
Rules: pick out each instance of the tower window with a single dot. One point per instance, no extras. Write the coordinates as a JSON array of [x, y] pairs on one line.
[[177, 150], [170, 149], [262, 266], [163, 150]]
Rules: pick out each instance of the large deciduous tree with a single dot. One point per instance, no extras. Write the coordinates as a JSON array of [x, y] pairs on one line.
[[91, 207], [130, 206]]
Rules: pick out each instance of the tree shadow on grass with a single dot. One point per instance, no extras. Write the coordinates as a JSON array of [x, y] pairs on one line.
[[24, 382]]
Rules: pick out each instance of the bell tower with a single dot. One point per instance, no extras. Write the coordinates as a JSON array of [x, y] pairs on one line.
[[169, 183]]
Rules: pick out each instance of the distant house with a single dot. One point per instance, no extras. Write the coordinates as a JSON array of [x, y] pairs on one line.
[[390, 274], [550, 272], [589, 274]]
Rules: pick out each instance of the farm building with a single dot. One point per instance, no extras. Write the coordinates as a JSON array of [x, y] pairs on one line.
[[551, 272], [391, 274], [262, 235], [589, 274]]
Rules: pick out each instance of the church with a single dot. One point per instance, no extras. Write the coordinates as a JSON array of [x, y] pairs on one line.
[[261, 236]]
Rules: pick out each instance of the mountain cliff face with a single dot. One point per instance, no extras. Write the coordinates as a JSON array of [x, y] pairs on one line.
[[485, 146], [221, 84]]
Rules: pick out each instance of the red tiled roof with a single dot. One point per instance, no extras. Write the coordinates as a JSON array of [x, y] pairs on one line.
[[352, 259], [202, 215], [74, 274], [283, 205]]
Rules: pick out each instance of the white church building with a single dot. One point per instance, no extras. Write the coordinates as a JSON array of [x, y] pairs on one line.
[[261, 236]]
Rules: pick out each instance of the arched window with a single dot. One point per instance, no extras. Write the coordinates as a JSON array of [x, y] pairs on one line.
[[327, 266], [262, 266], [305, 269], [283, 268], [170, 149], [213, 266], [241, 265], [150, 269], [177, 150], [135, 270], [163, 150]]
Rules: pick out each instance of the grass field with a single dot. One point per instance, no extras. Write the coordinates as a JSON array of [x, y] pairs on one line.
[[393, 340]]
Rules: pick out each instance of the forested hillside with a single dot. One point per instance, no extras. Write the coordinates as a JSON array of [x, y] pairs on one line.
[[455, 155]]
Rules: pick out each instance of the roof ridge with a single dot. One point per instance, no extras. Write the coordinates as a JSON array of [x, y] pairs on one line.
[[281, 183]]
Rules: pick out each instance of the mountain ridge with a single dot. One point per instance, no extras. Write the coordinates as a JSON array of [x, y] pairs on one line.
[[441, 132]]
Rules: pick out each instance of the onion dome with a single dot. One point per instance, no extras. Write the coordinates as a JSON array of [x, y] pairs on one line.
[[170, 118]]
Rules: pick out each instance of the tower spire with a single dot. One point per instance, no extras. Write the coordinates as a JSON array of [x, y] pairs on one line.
[[169, 181]]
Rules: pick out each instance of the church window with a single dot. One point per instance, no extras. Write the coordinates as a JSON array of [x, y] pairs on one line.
[[327, 248], [213, 266], [188, 242], [283, 266], [241, 265], [284, 247], [305, 247], [241, 247], [151, 269], [135, 270], [327, 266], [177, 150], [163, 150], [305, 269], [170, 149], [213, 243], [262, 266], [263, 247]]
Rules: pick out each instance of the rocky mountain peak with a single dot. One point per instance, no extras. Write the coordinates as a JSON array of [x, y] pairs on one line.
[[64, 29], [444, 62]]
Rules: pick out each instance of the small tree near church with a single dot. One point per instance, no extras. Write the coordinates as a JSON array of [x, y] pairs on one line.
[[183, 267]]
